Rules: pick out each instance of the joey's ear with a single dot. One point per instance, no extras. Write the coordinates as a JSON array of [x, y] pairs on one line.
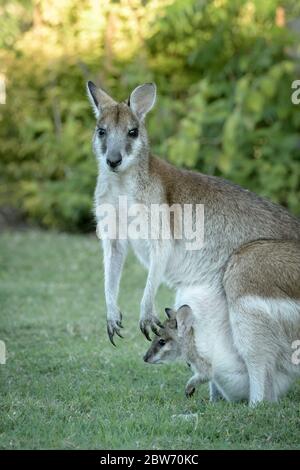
[[142, 99], [185, 320], [171, 314], [98, 98]]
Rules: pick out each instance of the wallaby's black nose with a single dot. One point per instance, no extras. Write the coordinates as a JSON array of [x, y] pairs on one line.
[[115, 162]]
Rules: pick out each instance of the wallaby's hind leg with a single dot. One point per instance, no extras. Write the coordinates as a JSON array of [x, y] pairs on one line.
[[261, 282], [261, 384], [254, 336]]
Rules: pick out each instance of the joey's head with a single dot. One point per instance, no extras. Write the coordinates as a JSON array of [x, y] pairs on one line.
[[120, 138], [169, 345]]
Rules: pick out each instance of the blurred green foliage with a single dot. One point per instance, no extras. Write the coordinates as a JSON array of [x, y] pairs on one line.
[[224, 70]]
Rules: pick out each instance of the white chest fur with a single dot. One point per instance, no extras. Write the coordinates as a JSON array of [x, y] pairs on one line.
[[131, 213]]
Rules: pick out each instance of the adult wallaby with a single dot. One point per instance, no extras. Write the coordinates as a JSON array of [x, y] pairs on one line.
[[233, 217]]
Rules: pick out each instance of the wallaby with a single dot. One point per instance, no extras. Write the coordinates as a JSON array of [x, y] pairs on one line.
[[215, 358], [212, 359], [233, 217]]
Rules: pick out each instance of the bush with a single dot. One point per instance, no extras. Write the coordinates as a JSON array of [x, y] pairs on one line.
[[224, 71]]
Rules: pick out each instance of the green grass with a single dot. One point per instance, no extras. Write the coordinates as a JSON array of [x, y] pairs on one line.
[[65, 386]]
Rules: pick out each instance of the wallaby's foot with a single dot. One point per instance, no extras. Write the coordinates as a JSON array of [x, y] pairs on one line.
[[150, 323], [191, 385], [114, 324], [255, 401], [189, 390]]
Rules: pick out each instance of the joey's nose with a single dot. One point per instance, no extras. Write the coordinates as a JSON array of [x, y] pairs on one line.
[[146, 357], [114, 162]]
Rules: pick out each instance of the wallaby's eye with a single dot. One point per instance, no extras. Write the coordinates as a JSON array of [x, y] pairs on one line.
[[133, 132], [162, 342], [101, 131]]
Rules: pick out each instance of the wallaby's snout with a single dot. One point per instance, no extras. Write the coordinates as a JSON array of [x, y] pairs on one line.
[[146, 357], [114, 160]]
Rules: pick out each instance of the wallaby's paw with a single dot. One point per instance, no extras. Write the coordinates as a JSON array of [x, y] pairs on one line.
[[150, 324], [189, 390], [113, 327]]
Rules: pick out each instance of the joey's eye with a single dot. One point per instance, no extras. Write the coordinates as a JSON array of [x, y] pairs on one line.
[[101, 131], [133, 132], [162, 342]]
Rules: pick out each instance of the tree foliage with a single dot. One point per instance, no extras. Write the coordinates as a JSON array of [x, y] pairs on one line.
[[224, 70]]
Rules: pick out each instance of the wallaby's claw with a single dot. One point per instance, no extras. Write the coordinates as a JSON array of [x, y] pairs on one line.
[[159, 323], [189, 391], [113, 327], [190, 387], [111, 337], [155, 330], [149, 324], [145, 332]]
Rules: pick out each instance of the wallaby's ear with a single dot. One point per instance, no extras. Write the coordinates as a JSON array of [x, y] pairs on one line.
[[98, 98], [185, 320], [142, 99], [171, 314]]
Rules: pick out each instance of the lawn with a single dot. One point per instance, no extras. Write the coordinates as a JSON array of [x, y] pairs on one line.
[[65, 386]]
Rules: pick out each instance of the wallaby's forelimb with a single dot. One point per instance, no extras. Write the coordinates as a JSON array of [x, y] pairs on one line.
[[114, 256], [159, 254], [193, 382]]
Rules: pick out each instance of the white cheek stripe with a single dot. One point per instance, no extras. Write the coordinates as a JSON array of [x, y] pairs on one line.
[[279, 309], [159, 356]]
